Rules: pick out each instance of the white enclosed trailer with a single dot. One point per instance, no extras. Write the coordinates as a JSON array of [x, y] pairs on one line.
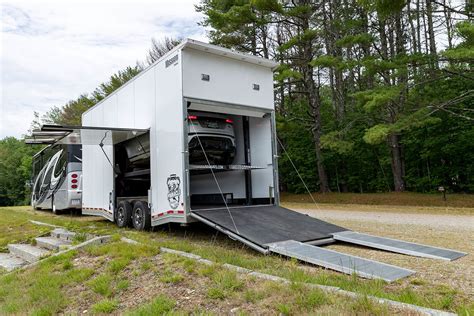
[[138, 141], [198, 77]]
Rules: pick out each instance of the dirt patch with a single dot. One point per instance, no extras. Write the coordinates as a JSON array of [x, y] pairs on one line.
[[195, 291]]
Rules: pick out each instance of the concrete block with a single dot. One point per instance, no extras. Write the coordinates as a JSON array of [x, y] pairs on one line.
[[10, 262], [52, 243], [28, 252], [62, 233]]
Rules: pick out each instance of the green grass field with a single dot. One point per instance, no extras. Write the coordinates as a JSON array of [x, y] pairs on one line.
[[103, 279]]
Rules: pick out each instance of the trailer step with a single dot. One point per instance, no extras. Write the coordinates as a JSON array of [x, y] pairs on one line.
[[51, 243], [338, 261], [10, 262], [28, 252], [398, 246]]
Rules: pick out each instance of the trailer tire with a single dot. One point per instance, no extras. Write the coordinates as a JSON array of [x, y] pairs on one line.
[[141, 217], [124, 214]]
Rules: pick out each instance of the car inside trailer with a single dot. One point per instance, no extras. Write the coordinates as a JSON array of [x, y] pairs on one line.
[[245, 180]]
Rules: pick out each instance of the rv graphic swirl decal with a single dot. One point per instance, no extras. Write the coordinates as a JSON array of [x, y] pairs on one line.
[[49, 179], [174, 192]]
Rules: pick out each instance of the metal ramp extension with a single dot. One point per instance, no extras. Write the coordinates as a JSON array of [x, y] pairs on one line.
[[338, 261], [399, 246]]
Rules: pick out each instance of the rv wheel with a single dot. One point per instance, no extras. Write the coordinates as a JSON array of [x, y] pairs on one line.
[[124, 214], [141, 216]]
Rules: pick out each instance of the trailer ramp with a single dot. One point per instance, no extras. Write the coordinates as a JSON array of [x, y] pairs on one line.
[[338, 261], [274, 229], [399, 246], [264, 224]]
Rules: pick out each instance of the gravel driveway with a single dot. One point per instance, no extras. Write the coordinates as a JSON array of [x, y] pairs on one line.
[[464, 222]]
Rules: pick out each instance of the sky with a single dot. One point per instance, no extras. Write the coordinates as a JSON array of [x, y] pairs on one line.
[[53, 51]]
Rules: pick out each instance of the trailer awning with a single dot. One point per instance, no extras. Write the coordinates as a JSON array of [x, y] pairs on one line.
[[83, 135]]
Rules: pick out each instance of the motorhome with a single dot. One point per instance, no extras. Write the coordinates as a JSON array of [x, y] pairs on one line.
[[57, 178]]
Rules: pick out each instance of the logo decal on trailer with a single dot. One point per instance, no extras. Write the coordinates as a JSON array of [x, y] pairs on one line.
[[171, 61], [174, 192]]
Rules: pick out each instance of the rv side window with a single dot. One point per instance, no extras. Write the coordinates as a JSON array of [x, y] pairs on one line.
[[74, 153]]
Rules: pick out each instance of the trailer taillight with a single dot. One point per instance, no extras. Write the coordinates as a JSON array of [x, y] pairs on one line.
[[74, 175], [74, 186], [229, 121], [74, 181], [192, 117]]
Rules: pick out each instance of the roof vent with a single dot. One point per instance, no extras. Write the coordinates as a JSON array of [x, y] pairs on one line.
[[205, 77]]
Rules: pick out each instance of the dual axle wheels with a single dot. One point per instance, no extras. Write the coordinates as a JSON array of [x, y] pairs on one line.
[[136, 214]]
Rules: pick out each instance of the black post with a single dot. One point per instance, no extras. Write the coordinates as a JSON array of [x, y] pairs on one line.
[[248, 175]]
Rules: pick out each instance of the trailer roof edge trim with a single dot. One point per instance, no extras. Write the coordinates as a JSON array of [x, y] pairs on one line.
[[84, 135], [225, 52], [205, 47]]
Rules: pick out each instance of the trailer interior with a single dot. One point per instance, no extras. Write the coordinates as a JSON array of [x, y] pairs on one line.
[[245, 180], [132, 167]]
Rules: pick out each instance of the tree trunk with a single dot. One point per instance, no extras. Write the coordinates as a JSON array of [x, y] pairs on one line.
[[397, 162], [314, 100], [323, 178], [432, 40]]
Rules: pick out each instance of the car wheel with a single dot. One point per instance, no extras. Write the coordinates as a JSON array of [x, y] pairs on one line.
[[141, 218], [124, 214]]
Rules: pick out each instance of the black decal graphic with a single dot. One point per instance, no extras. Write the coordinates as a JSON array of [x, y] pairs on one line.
[[50, 178], [174, 192], [171, 61]]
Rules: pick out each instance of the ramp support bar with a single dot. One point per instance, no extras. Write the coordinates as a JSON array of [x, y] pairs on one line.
[[232, 235], [339, 261], [399, 246]]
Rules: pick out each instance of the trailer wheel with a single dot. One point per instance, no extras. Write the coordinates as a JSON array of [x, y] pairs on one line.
[[141, 217], [124, 214]]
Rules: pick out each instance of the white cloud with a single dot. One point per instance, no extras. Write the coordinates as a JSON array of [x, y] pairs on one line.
[[53, 51]]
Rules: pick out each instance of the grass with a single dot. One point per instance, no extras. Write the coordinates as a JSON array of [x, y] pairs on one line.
[[105, 306], [39, 290], [102, 285], [170, 276], [159, 306], [79, 238], [16, 227], [391, 198], [364, 306], [43, 289], [225, 283]]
